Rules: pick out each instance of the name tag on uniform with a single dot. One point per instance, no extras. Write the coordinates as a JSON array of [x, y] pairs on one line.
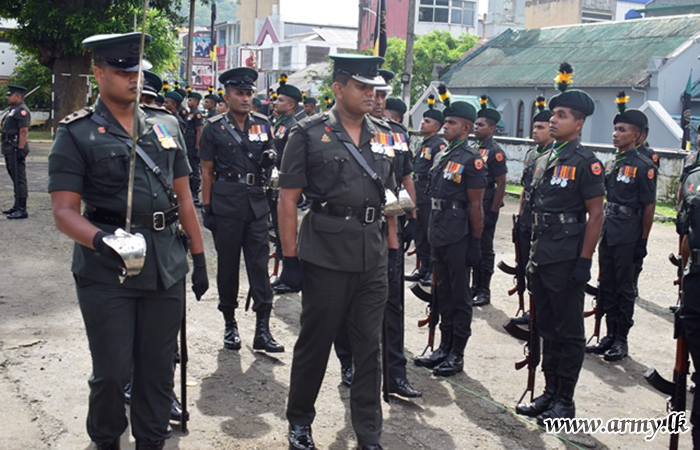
[[485, 154], [453, 172], [383, 144], [257, 133], [164, 137], [626, 174], [425, 153], [562, 175], [400, 143]]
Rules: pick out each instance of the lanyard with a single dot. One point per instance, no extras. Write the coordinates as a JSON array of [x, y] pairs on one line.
[[452, 146], [556, 151], [280, 120]]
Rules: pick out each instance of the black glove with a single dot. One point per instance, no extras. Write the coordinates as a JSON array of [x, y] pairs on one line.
[[409, 232], [292, 275], [107, 255], [21, 154], [200, 280], [208, 219], [490, 218], [268, 158], [473, 251], [640, 251], [581, 272]]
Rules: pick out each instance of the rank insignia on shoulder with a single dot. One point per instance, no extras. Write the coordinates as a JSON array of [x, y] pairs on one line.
[[325, 138], [596, 168], [479, 163], [164, 137], [650, 174]]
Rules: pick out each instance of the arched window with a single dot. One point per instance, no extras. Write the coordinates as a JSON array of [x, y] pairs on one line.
[[521, 120]]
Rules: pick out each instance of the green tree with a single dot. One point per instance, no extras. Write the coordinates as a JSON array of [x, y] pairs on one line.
[[225, 11], [53, 30], [30, 74]]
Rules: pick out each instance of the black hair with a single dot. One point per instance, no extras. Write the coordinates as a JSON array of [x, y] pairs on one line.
[[340, 78]]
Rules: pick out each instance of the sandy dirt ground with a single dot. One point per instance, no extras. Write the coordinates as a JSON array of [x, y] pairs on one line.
[[237, 399]]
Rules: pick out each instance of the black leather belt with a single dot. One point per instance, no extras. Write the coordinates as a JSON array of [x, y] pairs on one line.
[[441, 205], [421, 176], [547, 219], [156, 221], [364, 215], [249, 179], [612, 209]]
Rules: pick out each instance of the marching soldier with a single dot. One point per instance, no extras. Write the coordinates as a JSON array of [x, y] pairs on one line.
[[457, 182], [236, 151], [567, 185], [422, 162], [495, 160], [193, 131], [132, 323], [15, 148], [342, 160], [543, 142], [630, 181], [310, 106]]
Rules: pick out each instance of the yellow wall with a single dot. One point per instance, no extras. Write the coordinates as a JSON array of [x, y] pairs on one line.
[[247, 12], [547, 13]]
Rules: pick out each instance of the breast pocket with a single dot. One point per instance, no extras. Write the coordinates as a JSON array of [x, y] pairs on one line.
[[382, 165], [110, 166]]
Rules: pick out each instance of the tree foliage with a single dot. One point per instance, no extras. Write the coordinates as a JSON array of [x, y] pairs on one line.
[[29, 73], [225, 11]]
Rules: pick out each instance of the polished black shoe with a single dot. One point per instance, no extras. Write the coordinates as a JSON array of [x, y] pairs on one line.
[[370, 447], [452, 365], [127, 393], [150, 445], [416, 275], [277, 282], [263, 339], [559, 409], [433, 359], [300, 437], [232, 340], [10, 210], [19, 213], [115, 445], [521, 320], [482, 298], [402, 388], [601, 346], [346, 375], [427, 280], [282, 288], [537, 406], [176, 410], [617, 351]]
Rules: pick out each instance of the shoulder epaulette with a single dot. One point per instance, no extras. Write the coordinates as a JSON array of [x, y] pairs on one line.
[[215, 118], [156, 108], [81, 113], [380, 122], [399, 124], [313, 120], [260, 116]]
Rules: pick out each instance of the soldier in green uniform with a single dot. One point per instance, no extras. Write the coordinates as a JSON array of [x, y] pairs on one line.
[[221, 106], [15, 148], [457, 182], [256, 104], [193, 131], [342, 161], [210, 102], [495, 160], [422, 162], [172, 104], [523, 226], [184, 93], [131, 324], [310, 106], [236, 152], [152, 84], [567, 185], [630, 182]]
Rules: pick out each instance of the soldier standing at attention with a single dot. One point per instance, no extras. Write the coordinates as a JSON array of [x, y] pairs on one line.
[[310, 106], [422, 162], [221, 105], [256, 104], [172, 103], [210, 105], [236, 151], [630, 182], [193, 131], [342, 161], [457, 182], [15, 148], [567, 185], [495, 160], [152, 84], [132, 323]]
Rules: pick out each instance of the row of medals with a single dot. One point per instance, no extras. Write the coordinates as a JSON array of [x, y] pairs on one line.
[[560, 181]]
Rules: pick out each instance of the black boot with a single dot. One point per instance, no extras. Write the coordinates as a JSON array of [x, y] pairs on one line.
[[114, 445], [454, 363], [476, 281], [10, 210], [438, 355], [604, 344], [300, 437], [346, 374], [176, 410], [402, 388], [483, 297], [563, 405], [150, 445], [540, 404], [263, 339], [618, 350], [522, 320], [21, 211], [232, 340], [416, 275]]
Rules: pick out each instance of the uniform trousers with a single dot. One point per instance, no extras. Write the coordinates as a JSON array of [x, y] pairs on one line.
[[195, 176], [331, 299], [453, 292], [421, 237], [20, 182], [131, 332], [251, 235], [559, 308], [690, 317], [616, 286]]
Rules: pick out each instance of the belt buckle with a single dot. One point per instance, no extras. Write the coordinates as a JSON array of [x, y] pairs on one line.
[[435, 203], [158, 220], [250, 179], [370, 214]]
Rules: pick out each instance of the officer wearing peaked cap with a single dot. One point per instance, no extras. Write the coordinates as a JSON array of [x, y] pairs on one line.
[[152, 84], [237, 153], [567, 187], [132, 323], [15, 148]]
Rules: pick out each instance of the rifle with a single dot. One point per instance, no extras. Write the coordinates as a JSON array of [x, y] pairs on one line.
[[677, 388], [518, 271], [595, 311], [433, 314], [532, 353]]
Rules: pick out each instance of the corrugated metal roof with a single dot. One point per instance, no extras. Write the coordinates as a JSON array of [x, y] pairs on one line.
[[603, 54]]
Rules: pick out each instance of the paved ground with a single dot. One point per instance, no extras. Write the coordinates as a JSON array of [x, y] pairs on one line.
[[237, 399]]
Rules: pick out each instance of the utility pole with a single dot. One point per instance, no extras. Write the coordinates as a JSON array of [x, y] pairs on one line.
[[190, 45], [359, 23], [407, 77]]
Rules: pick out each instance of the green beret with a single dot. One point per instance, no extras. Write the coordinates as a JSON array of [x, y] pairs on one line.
[[435, 115], [542, 116], [310, 101], [195, 95], [182, 92], [290, 91], [256, 101], [396, 104], [174, 95], [460, 109], [574, 99], [633, 117], [486, 112], [213, 97]]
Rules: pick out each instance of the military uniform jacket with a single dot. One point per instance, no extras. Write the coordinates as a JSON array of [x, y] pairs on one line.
[[317, 160], [649, 152], [690, 207], [211, 113], [91, 160], [402, 154], [531, 156], [458, 169], [495, 160], [422, 162], [282, 127], [691, 162], [194, 119], [229, 197], [563, 185], [630, 182], [17, 117]]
